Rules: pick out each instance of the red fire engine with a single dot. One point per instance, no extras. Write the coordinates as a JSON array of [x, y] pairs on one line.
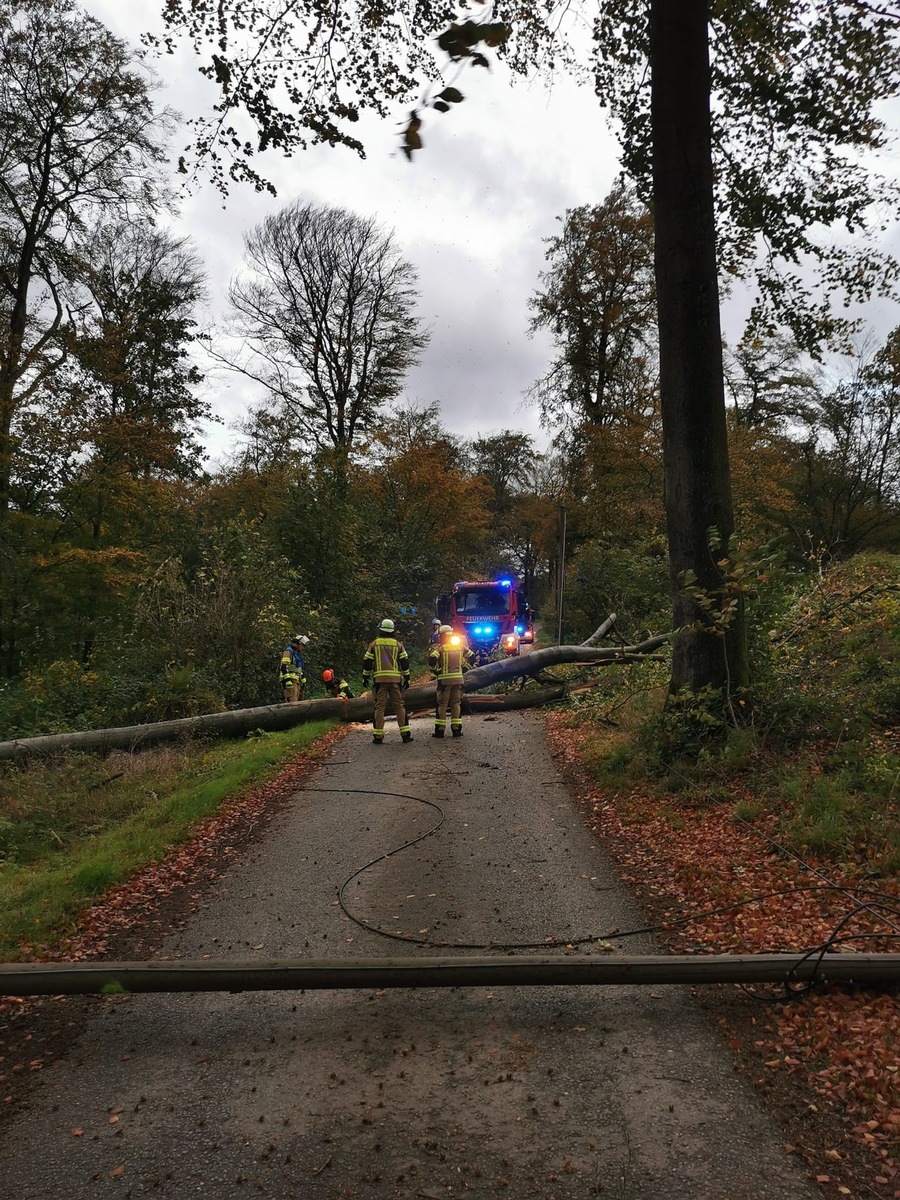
[[486, 612]]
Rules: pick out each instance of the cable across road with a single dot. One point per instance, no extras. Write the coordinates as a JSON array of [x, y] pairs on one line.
[[815, 964], [876, 902]]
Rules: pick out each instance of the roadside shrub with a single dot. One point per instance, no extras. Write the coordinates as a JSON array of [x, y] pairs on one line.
[[689, 723], [64, 695], [836, 651], [180, 692], [632, 582], [20, 712], [217, 624]]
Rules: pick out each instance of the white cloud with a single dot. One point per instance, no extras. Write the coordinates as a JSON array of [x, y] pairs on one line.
[[469, 212]]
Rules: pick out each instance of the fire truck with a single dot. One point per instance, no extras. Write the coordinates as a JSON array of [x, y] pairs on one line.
[[487, 612]]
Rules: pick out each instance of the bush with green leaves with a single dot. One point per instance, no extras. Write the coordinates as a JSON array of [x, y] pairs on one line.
[[632, 582], [57, 697], [836, 652], [210, 632]]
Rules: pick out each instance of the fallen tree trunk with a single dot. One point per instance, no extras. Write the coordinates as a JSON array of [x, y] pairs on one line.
[[511, 700], [52, 979], [272, 717], [553, 656]]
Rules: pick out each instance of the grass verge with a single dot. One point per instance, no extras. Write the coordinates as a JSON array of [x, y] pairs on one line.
[[74, 826], [760, 842], [828, 797]]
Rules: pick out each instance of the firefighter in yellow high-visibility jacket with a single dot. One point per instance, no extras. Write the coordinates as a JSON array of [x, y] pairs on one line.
[[292, 672], [387, 663], [448, 661], [335, 684]]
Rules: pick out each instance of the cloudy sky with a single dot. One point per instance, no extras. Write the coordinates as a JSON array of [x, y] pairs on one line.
[[470, 213]]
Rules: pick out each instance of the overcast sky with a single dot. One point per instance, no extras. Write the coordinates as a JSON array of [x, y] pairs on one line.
[[469, 212]]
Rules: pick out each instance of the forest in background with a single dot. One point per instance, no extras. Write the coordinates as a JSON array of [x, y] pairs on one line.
[[134, 593], [139, 582]]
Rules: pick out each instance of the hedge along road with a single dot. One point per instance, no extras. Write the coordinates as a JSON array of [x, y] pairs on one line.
[[541, 1092]]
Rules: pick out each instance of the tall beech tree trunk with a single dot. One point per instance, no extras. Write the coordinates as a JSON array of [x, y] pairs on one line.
[[695, 443]]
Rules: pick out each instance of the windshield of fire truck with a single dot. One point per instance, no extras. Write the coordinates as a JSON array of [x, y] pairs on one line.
[[482, 602]]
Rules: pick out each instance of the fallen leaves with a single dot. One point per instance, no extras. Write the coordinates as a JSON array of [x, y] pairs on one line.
[[126, 914], [740, 895]]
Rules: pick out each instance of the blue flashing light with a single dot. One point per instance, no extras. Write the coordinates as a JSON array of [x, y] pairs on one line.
[[477, 629], [520, 629], [488, 629], [506, 583]]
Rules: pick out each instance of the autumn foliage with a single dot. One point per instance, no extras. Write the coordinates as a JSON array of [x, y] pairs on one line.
[[781, 835], [715, 884]]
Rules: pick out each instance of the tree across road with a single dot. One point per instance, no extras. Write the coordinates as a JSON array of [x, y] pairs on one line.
[[564, 1092]]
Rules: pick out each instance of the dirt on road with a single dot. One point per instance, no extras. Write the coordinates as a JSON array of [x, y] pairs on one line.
[[437, 847]]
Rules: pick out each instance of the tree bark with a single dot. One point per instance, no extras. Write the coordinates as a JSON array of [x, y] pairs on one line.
[[695, 442], [601, 630], [240, 722], [497, 970]]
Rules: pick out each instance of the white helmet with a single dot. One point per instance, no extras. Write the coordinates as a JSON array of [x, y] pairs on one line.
[[387, 625], [301, 638], [436, 621], [446, 629]]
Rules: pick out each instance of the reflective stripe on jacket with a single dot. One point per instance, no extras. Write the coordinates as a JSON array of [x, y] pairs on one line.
[[386, 660], [448, 662], [291, 663]]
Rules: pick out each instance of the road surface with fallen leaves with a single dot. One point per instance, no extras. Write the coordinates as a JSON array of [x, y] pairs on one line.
[[554, 1093]]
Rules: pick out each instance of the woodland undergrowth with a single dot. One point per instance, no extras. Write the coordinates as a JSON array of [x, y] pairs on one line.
[[781, 834]]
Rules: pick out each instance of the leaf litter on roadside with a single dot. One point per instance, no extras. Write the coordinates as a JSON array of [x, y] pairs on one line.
[[839, 1046]]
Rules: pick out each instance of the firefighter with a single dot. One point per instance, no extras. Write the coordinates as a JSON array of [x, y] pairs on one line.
[[387, 663], [335, 684], [448, 660], [293, 671], [435, 631]]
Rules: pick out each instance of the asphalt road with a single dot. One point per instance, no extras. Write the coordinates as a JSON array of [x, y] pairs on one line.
[[562, 1093]]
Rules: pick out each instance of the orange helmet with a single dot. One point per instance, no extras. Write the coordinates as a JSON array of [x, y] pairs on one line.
[[327, 675]]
